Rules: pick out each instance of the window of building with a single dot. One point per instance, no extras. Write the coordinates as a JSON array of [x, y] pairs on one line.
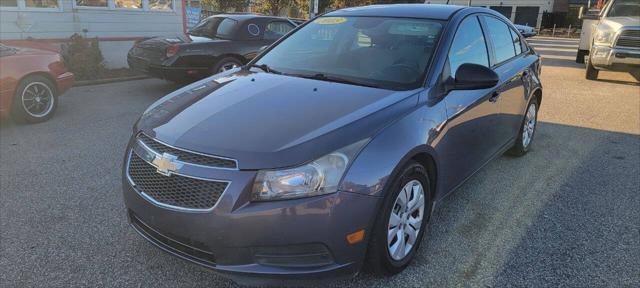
[[128, 4], [8, 3], [92, 3], [500, 36], [160, 4], [41, 3], [469, 46], [275, 30]]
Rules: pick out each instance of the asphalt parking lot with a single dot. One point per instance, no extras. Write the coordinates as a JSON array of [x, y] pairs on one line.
[[566, 214]]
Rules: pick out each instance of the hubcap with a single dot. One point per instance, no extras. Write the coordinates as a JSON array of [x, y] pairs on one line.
[[37, 99], [227, 66], [529, 126], [405, 220]]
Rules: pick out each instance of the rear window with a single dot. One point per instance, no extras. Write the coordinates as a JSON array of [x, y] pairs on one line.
[[226, 27]]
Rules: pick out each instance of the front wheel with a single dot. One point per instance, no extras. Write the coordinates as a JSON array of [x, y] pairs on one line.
[[591, 72], [398, 230], [527, 130], [35, 100]]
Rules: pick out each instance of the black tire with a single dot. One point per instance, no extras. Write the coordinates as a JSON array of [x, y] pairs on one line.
[[591, 72], [20, 111], [378, 260], [519, 148], [225, 63], [581, 55]]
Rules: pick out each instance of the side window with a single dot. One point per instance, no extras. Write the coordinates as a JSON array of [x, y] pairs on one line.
[[275, 30], [468, 45], [500, 36], [517, 42]]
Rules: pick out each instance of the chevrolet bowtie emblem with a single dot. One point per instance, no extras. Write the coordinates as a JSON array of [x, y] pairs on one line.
[[166, 164]]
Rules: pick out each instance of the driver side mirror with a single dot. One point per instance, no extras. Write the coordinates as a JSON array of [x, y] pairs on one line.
[[474, 76]]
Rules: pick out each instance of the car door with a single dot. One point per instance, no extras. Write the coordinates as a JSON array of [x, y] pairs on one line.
[[509, 63], [471, 136]]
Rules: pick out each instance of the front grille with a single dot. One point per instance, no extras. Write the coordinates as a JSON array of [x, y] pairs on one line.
[[629, 38], [174, 190], [186, 156]]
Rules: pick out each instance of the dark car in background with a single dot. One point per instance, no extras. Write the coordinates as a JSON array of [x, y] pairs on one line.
[[328, 151], [217, 44], [31, 80]]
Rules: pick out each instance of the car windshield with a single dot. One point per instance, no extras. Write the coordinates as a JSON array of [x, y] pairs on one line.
[[625, 8], [389, 53], [214, 27]]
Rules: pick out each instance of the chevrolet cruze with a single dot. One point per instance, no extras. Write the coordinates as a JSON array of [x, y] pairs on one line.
[[327, 153]]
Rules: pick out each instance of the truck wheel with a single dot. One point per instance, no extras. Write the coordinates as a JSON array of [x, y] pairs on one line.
[[581, 56], [592, 72]]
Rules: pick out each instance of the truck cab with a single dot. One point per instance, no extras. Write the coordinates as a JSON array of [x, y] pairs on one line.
[[614, 39]]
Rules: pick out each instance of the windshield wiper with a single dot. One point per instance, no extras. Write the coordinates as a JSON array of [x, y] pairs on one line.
[[324, 77], [263, 67]]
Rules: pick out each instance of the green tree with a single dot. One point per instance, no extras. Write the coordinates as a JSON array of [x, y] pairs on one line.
[[226, 5], [273, 7]]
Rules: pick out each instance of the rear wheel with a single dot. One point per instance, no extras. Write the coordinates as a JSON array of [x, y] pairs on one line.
[[397, 232], [35, 100], [225, 64], [592, 72], [527, 130]]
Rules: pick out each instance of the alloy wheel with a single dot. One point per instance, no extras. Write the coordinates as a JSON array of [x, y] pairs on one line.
[[405, 220], [529, 125], [37, 99], [227, 66]]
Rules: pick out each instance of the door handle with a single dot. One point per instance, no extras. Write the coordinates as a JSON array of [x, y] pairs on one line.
[[494, 96]]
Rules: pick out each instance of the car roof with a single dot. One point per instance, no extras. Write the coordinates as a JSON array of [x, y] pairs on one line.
[[246, 16], [430, 11]]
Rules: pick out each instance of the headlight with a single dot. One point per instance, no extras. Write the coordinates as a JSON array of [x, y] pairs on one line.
[[604, 36], [319, 177]]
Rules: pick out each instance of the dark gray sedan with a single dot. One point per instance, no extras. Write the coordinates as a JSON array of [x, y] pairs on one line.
[[328, 152]]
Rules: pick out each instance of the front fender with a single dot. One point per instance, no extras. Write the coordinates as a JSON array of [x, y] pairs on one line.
[[377, 164]]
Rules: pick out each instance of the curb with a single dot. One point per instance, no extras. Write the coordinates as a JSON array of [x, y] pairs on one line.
[[109, 80]]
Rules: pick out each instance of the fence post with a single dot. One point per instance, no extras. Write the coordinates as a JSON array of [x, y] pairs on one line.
[[569, 32], [553, 34]]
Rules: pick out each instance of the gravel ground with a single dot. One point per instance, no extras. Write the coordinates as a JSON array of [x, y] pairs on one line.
[[565, 215]]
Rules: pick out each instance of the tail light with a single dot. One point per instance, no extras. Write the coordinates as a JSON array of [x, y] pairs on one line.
[[172, 50]]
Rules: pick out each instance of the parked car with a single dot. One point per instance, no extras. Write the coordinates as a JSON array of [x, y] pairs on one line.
[[313, 160], [30, 82], [526, 31], [218, 43], [616, 39]]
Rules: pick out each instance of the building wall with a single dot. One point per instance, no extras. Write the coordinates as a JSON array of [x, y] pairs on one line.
[[116, 28], [545, 6]]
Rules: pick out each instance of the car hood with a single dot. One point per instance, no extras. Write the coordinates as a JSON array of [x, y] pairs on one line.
[[268, 121], [619, 22]]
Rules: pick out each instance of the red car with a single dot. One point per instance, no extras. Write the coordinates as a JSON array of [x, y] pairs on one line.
[[30, 82]]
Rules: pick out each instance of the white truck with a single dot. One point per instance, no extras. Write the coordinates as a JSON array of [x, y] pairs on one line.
[[614, 39]]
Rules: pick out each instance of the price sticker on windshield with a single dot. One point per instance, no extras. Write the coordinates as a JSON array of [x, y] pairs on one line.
[[330, 20]]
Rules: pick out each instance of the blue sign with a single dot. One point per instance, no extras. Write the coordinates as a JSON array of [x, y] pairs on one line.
[[193, 16]]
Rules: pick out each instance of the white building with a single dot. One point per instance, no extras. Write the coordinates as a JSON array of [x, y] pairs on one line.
[[525, 12], [116, 23]]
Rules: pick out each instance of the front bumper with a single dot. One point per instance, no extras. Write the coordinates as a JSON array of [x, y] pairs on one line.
[[260, 242], [618, 59], [166, 72], [64, 82]]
